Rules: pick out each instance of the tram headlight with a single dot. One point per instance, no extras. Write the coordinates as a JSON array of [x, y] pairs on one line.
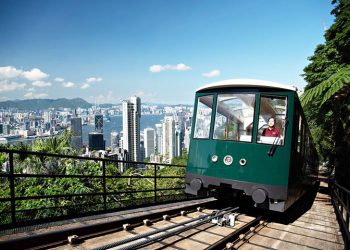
[[228, 160], [214, 158]]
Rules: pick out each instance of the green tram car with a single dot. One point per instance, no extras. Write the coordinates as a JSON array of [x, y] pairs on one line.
[[231, 155]]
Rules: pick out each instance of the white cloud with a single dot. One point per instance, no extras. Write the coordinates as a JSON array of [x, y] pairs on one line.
[[212, 73], [31, 95], [31, 89], [41, 84], [68, 84], [85, 86], [41, 95], [93, 79], [6, 86], [9, 72], [156, 68], [144, 95], [109, 98], [59, 79], [28, 95], [34, 74]]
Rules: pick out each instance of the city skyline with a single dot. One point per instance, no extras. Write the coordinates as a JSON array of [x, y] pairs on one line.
[[159, 50]]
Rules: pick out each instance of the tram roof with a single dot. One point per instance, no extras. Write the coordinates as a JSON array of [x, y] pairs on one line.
[[232, 83]]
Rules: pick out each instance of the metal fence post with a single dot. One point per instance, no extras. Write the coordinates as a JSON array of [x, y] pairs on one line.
[[155, 183], [12, 189], [104, 185]]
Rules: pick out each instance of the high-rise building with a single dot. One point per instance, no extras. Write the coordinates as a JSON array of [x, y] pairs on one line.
[[96, 141], [178, 143], [142, 151], [99, 123], [47, 116], [159, 138], [131, 127], [1, 128], [6, 129], [114, 140], [76, 129], [187, 138], [169, 138], [26, 125], [148, 141]]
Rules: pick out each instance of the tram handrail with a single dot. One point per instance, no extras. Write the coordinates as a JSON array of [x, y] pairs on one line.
[[340, 200]]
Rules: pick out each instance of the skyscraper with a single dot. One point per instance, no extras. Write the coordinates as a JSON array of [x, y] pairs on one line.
[[169, 138], [187, 138], [99, 123], [47, 116], [131, 127], [96, 141], [114, 140], [159, 138], [76, 129], [148, 141], [178, 143]]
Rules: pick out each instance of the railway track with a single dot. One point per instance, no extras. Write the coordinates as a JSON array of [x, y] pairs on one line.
[[193, 229], [202, 226]]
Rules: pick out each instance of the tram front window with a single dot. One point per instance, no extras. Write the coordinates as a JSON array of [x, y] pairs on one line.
[[272, 120], [203, 117], [234, 117]]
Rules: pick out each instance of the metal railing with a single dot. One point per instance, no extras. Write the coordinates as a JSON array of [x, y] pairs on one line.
[[340, 200], [43, 187]]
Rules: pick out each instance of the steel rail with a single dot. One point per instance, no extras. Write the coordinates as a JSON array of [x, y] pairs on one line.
[[200, 220], [221, 244], [59, 237]]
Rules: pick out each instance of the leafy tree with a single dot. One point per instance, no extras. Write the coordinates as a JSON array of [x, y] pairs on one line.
[[54, 144], [142, 179], [181, 160], [326, 99]]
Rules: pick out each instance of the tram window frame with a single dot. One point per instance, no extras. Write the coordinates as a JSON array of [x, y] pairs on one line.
[[254, 95], [195, 135], [300, 135], [282, 142]]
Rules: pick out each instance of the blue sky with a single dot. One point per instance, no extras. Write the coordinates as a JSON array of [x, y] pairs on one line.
[[160, 50]]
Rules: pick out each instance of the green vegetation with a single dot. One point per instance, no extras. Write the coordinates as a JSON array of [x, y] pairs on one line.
[[181, 160], [85, 188], [326, 99]]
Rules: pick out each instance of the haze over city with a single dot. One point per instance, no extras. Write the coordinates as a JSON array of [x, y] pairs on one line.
[[161, 51]]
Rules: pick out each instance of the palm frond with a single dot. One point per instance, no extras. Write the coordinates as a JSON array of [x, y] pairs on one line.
[[332, 85], [336, 87]]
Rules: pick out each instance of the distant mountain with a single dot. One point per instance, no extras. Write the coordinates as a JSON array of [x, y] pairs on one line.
[[34, 104]]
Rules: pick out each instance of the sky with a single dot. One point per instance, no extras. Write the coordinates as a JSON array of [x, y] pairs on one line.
[[159, 50]]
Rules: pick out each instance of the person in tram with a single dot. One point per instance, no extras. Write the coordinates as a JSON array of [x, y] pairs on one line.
[[271, 130]]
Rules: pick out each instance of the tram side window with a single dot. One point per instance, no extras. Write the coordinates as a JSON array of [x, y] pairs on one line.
[[234, 117], [203, 117], [272, 119]]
